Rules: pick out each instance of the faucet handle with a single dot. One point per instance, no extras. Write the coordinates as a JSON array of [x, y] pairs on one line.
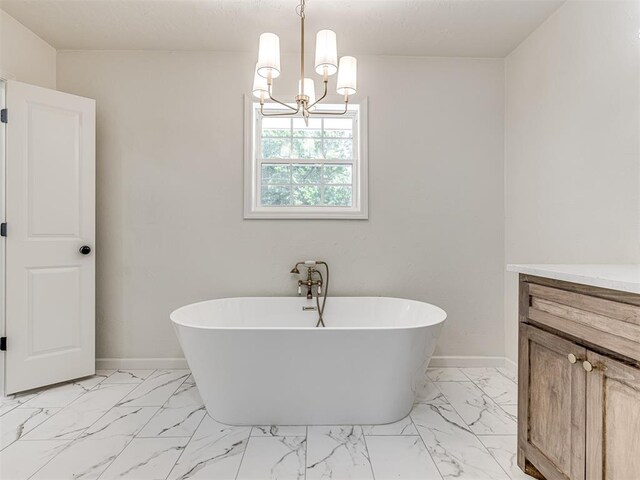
[[299, 290], [319, 289]]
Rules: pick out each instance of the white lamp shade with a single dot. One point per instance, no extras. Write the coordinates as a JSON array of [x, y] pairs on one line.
[[309, 90], [260, 87], [326, 52], [269, 55], [347, 76]]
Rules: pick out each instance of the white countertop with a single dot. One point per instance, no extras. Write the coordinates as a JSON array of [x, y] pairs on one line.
[[625, 278]]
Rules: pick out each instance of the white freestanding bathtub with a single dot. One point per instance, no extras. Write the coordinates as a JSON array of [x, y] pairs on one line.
[[261, 361]]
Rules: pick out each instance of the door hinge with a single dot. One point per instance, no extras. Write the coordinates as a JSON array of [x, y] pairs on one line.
[[3, 344], [3, 115], [3, 229]]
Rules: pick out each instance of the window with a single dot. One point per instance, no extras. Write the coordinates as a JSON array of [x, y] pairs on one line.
[[295, 170]]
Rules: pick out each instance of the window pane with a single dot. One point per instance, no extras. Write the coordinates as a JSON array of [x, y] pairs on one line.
[[275, 195], [306, 166], [338, 133], [276, 148], [337, 196], [276, 123], [338, 149], [306, 173], [276, 127], [337, 174], [307, 133], [314, 129], [306, 195], [273, 133], [314, 124], [307, 148], [338, 128], [338, 124], [275, 173]]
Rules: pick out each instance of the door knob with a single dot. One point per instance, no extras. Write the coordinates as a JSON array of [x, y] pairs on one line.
[[572, 358], [587, 366], [85, 250]]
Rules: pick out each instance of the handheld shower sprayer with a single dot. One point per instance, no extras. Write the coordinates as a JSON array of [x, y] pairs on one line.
[[306, 263]]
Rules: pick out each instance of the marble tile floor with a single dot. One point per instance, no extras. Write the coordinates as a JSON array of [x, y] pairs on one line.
[[151, 424]]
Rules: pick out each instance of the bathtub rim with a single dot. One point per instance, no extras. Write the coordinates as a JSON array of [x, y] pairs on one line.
[[440, 311]]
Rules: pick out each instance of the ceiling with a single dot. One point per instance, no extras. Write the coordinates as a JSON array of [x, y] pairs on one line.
[[460, 28]]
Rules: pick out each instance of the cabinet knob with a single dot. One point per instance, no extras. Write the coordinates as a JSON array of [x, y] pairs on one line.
[[572, 358], [587, 366]]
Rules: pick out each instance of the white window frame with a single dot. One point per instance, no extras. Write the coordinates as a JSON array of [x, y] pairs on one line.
[[252, 181]]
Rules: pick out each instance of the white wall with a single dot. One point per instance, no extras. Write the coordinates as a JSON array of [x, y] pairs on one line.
[[24, 56], [170, 227], [572, 156]]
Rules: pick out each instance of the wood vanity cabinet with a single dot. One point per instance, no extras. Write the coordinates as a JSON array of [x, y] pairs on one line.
[[578, 381]]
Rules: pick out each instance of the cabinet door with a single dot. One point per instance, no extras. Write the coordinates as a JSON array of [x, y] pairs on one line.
[[551, 428], [613, 419]]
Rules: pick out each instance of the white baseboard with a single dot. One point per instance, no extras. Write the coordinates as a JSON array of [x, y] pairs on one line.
[[511, 366], [466, 361], [139, 363], [436, 361]]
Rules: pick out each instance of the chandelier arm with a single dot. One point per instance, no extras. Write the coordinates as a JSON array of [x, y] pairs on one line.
[[279, 114], [296, 110], [346, 109], [282, 103], [326, 88]]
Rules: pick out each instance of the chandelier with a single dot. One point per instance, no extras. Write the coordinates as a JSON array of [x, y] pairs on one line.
[[326, 64]]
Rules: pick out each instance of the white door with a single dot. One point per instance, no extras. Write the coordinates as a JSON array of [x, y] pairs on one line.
[[50, 216]]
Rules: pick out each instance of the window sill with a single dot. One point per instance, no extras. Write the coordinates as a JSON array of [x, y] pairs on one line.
[[305, 213]]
